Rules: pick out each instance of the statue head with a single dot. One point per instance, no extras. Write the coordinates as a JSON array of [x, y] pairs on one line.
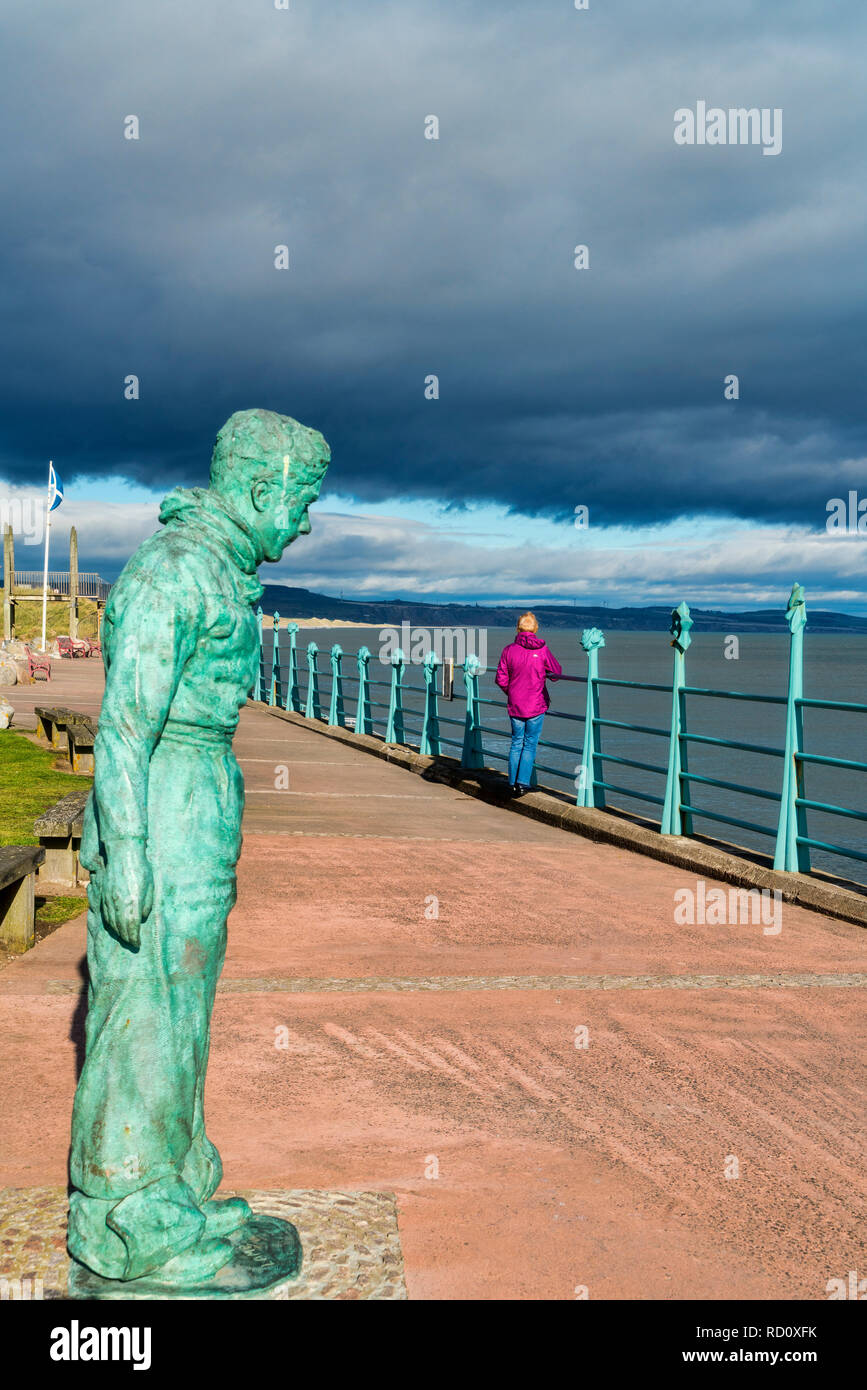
[[270, 469]]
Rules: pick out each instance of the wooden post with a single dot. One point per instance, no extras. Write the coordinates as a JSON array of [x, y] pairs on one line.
[[73, 582], [8, 583]]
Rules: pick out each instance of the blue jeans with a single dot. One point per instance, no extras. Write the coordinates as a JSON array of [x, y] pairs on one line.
[[522, 754]]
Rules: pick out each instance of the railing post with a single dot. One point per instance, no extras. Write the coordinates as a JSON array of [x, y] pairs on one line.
[[672, 819], [311, 709], [591, 769], [274, 692], [363, 717], [788, 854], [293, 694], [430, 729], [260, 665], [394, 727], [473, 752], [335, 708]]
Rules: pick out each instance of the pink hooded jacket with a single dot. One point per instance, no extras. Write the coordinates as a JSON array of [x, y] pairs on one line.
[[523, 667]]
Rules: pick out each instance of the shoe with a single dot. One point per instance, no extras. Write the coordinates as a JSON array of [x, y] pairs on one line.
[[222, 1218], [519, 790], [200, 1262]]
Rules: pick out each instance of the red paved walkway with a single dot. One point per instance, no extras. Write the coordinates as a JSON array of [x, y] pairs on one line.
[[414, 1044]]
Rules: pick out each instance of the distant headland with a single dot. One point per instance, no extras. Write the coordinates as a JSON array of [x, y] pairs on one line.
[[304, 603]]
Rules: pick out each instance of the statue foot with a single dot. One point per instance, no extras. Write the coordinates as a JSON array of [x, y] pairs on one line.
[[262, 1254], [201, 1261], [221, 1218]]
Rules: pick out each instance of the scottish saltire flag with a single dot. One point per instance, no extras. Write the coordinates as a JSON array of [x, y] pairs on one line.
[[55, 488]]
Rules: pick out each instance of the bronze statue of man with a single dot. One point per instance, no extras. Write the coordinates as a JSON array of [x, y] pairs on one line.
[[161, 839]]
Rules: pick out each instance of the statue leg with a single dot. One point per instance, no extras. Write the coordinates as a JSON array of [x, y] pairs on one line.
[[138, 1123], [142, 1167]]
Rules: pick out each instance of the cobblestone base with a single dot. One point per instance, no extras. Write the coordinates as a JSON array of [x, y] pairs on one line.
[[350, 1241]]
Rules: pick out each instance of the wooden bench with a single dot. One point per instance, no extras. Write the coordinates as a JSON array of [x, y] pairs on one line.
[[81, 737], [18, 865], [38, 665], [51, 725], [59, 832]]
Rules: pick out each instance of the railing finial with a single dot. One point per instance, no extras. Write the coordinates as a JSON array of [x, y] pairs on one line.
[[681, 622]]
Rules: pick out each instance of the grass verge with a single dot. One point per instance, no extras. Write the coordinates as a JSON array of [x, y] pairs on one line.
[[29, 784]]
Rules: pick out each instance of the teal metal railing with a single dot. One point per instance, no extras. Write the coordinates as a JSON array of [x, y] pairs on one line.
[[684, 796]]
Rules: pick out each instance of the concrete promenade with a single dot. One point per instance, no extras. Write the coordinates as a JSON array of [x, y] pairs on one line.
[[408, 973]]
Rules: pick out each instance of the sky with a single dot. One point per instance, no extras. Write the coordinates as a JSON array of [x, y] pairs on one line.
[[558, 388]]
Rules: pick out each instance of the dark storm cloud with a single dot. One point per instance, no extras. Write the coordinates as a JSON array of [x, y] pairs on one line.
[[408, 257]]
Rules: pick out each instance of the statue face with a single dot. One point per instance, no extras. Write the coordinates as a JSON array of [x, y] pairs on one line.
[[280, 510]]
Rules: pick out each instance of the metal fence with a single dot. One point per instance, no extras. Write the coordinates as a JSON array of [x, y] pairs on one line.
[[683, 796], [90, 585]]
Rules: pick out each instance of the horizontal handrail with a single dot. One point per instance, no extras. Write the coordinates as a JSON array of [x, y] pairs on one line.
[[833, 704], [556, 772], [832, 762], [625, 791], [561, 747], [734, 743], [633, 728], [729, 786], [832, 849], [830, 810], [691, 810], [631, 762], [734, 695], [632, 685]]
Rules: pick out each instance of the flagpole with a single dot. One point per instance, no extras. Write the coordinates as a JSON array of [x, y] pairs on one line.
[[45, 568]]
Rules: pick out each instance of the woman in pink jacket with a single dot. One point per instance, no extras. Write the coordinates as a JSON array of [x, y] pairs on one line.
[[524, 667]]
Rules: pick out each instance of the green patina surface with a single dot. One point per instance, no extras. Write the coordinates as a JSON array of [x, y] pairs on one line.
[[162, 836]]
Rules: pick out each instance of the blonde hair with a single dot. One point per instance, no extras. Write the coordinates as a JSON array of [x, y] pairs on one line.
[[528, 622]]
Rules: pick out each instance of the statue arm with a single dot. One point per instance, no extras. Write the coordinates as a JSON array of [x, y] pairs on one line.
[[154, 633], [154, 636]]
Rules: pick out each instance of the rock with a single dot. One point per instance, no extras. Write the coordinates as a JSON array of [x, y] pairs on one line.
[[6, 713], [8, 671]]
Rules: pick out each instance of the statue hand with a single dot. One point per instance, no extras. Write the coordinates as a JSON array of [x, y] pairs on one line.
[[126, 890]]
